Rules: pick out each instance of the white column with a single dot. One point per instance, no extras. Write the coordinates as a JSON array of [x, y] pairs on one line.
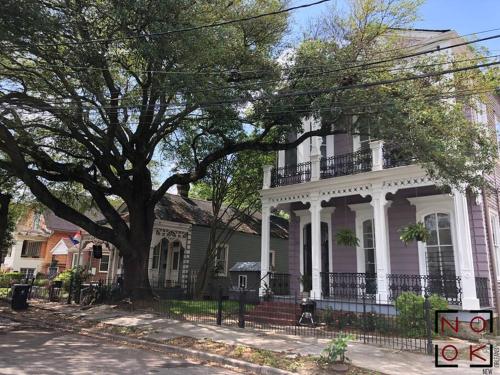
[[381, 243], [316, 247], [377, 148], [315, 159], [315, 167], [267, 176], [264, 248], [464, 251]]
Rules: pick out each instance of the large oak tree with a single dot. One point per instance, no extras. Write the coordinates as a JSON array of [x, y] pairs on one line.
[[92, 93]]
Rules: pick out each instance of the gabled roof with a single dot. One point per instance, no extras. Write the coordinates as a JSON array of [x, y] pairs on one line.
[[245, 267], [199, 212], [55, 223], [62, 247]]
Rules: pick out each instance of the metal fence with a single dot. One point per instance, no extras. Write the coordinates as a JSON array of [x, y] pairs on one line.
[[366, 319], [448, 287], [291, 174], [346, 164]]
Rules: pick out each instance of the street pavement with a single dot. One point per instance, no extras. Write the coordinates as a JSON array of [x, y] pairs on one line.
[[35, 351]]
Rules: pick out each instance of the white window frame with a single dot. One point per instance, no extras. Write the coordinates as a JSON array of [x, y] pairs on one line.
[[495, 228], [426, 205], [100, 263], [28, 245], [74, 260], [272, 260], [216, 259], [242, 277], [25, 273], [156, 256]]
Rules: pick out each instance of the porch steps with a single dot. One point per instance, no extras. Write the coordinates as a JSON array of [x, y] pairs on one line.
[[277, 313]]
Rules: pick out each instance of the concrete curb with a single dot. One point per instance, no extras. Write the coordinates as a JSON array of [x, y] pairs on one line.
[[254, 368]]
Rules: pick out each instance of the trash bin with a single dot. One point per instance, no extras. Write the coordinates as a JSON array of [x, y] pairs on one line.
[[20, 296]]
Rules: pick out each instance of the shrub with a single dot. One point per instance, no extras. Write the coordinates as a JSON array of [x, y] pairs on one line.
[[41, 282], [338, 319], [411, 313], [9, 278], [336, 349]]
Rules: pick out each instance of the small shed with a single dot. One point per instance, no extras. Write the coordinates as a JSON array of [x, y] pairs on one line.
[[245, 276]]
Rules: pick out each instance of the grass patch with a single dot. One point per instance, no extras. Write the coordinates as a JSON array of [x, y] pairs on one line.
[[201, 307], [4, 292]]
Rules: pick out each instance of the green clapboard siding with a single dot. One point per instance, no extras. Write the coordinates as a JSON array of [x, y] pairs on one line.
[[243, 247]]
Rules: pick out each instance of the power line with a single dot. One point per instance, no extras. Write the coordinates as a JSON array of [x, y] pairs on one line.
[[309, 108], [186, 29], [369, 64], [218, 72]]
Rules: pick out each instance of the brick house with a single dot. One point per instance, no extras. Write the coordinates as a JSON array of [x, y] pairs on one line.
[[41, 244], [350, 182]]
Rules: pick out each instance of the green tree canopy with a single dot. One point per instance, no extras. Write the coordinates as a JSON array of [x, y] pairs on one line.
[[94, 93]]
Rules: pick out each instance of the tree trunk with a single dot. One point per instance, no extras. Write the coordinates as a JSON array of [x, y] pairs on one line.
[[136, 256], [136, 282], [4, 221]]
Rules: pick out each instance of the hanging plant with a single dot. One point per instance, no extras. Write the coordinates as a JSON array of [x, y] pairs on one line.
[[346, 237], [414, 232]]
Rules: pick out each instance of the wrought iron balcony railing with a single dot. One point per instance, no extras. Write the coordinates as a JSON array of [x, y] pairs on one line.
[[279, 283], [448, 287], [291, 174], [346, 164], [375, 158], [348, 286]]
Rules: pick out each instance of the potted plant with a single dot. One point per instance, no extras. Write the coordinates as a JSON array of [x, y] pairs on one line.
[[414, 232], [306, 281], [346, 237], [334, 356]]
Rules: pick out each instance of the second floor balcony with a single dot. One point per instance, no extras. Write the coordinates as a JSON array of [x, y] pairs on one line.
[[377, 157]]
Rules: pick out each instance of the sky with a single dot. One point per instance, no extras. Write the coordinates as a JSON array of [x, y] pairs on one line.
[[464, 16]]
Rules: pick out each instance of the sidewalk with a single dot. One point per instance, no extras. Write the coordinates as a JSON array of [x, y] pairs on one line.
[[387, 361]]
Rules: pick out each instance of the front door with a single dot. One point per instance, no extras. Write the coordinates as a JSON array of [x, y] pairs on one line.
[[162, 272], [173, 265]]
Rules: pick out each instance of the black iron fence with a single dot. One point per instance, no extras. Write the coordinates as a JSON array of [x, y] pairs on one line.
[[483, 291], [279, 283], [346, 164], [448, 287], [367, 319], [349, 286], [291, 174]]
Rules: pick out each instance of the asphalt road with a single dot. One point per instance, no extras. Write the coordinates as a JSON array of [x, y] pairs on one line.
[[34, 351]]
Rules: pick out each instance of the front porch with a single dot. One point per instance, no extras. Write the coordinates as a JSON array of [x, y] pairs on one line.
[[356, 287], [375, 205]]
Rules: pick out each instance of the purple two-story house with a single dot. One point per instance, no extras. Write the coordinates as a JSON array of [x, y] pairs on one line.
[[342, 182]]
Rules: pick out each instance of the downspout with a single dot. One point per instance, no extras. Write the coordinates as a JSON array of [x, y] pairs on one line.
[[493, 256]]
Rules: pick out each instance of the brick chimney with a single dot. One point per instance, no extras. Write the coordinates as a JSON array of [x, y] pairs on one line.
[[183, 190]]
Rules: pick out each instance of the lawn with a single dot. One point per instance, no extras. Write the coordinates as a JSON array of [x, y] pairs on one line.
[[201, 307]]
